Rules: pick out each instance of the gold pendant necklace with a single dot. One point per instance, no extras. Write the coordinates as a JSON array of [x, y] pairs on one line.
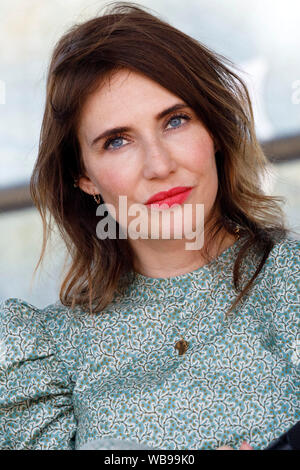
[[182, 345]]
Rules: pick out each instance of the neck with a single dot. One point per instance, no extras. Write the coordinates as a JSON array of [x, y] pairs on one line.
[[169, 258]]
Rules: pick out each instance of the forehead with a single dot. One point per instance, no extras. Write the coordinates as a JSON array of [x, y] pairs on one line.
[[125, 92]]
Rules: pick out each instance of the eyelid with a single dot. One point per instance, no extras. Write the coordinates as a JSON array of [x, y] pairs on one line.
[[179, 115], [113, 137]]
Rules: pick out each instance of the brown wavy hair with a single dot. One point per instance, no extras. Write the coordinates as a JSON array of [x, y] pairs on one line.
[[132, 37]]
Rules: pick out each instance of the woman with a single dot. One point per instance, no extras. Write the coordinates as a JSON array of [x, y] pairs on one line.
[[151, 342]]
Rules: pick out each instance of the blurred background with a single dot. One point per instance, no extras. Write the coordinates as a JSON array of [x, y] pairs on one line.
[[261, 37]]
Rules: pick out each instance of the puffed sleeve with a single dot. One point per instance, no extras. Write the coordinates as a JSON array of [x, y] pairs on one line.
[[36, 410]]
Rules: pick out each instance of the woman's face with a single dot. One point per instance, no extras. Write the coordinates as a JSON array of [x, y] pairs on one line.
[[158, 149]]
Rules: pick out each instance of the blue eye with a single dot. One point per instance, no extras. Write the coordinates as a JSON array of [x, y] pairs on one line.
[[115, 142], [118, 142], [176, 121]]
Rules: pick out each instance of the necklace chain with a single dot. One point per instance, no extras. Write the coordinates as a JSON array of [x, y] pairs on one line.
[[182, 345]]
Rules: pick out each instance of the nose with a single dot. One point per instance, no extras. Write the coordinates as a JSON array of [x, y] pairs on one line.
[[158, 160]]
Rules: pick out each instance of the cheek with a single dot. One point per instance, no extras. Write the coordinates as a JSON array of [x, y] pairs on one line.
[[113, 183], [200, 156]]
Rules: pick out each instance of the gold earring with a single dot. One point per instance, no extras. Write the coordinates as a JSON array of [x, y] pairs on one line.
[[97, 198], [237, 231]]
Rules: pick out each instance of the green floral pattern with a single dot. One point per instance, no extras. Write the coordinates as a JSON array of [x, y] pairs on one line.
[[67, 378]]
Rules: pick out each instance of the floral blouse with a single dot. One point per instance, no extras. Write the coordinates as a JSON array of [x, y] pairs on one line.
[[67, 377]]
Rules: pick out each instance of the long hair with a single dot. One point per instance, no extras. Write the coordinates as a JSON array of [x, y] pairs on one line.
[[129, 36]]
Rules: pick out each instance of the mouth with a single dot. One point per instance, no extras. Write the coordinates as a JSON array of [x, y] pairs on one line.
[[174, 196]]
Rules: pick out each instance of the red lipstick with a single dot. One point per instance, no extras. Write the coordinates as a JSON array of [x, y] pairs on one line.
[[174, 196]]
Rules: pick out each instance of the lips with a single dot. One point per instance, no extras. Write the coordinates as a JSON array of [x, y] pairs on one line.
[[173, 196]]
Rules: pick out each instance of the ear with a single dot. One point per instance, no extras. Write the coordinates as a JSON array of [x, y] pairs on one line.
[[86, 185]]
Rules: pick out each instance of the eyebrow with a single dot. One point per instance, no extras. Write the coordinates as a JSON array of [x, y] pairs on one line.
[[120, 130]]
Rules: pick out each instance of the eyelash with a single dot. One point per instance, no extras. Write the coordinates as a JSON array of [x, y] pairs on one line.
[[118, 136]]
